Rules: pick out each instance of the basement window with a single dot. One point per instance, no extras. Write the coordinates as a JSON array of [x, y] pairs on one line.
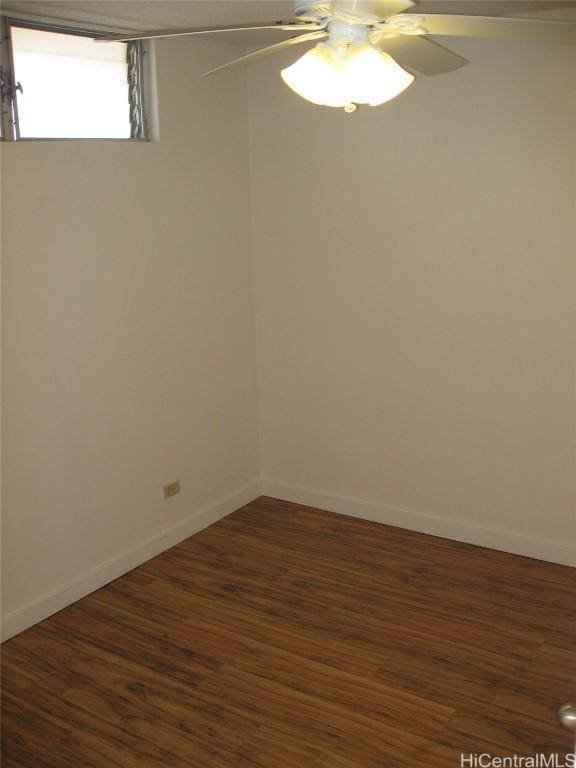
[[62, 84]]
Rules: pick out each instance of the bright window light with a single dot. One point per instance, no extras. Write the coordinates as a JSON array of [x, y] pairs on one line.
[[72, 86]]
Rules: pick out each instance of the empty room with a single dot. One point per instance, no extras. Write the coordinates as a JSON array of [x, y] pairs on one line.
[[288, 383]]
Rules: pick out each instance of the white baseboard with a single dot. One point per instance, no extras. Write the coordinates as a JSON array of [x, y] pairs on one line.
[[540, 549], [56, 599], [80, 586]]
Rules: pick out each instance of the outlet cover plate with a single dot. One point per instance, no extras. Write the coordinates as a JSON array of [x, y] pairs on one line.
[[171, 489]]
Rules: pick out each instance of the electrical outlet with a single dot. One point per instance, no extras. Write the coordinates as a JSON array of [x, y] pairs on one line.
[[171, 489]]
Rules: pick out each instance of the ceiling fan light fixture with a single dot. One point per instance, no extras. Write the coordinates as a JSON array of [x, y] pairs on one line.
[[318, 76], [340, 77], [374, 77]]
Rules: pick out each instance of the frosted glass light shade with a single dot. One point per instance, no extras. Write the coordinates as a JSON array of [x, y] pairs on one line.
[[318, 76], [374, 77], [364, 76]]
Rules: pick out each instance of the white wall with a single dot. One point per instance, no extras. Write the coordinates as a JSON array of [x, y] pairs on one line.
[[415, 299], [128, 339]]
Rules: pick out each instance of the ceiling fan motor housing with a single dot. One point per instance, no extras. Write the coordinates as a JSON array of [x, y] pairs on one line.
[[311, 10], [352, 11]]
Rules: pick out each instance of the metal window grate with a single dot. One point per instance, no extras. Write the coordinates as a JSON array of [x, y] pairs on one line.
[[138, 123]]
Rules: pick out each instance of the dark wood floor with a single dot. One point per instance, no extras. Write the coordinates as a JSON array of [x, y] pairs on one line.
[[286, 637]]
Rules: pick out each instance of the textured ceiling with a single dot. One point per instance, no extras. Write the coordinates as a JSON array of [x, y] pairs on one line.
[[128, 15]]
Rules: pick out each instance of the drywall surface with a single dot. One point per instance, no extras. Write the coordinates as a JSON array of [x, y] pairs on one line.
[[128, 338], [415, 299]]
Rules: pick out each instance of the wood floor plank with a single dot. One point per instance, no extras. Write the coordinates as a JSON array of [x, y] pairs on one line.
[[131, 696], [383, 582], [537, 689], [55, 733], [311, 719], [290, 637]]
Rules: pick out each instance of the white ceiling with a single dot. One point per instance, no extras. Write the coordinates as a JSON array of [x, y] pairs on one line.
[[128, 15]]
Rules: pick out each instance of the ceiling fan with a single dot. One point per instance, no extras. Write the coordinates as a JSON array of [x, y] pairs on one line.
[[368, 51]]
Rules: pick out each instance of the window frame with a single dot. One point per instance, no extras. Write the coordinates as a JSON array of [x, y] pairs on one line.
[[139, 78]]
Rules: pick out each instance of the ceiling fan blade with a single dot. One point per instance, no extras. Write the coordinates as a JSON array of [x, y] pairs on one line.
[[563, 32], [283, 26], [270, 50], [421, 55]]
